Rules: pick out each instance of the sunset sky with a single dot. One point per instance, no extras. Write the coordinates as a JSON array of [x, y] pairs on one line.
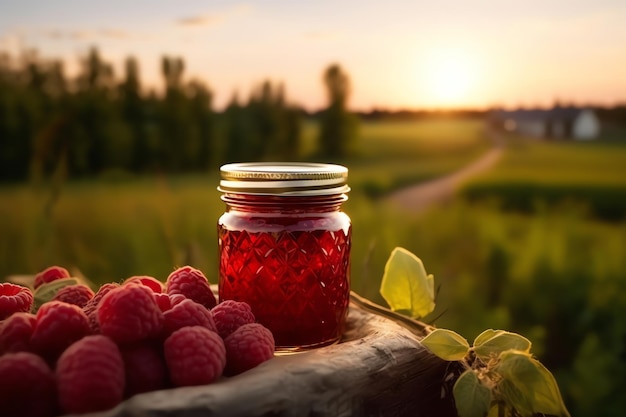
[[399, 54]]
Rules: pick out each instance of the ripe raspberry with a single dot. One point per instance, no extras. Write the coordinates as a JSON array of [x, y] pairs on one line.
[[90, 375], [163, 301], [91, 307], [58, 325], [144, 367], [13, 299], [28, 386], [15, 333], [247, 347], [194, 356], [191, 283], [229, 315], [78, 294], [154, 284], [50, 274], [187, 313], [129, 314], [177, 299]]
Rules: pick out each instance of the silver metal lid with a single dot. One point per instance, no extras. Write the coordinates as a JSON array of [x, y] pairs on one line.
[[284, 178]]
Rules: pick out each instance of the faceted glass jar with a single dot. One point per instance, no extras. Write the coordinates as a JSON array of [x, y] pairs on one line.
[[284, 248]]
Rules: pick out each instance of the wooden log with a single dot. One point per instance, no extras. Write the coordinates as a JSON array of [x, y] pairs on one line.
[[378, 369]]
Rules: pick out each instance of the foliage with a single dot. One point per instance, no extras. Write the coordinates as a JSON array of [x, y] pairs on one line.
[[499, 371], [95, 123], [337, 125], [558, 277], [406, 287]]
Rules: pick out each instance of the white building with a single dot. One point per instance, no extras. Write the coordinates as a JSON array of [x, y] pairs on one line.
[[557, 123]]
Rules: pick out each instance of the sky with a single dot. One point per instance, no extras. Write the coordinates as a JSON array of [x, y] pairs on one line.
[[399, 54]]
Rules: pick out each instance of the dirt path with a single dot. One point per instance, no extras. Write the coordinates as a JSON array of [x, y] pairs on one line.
[[417, 198]]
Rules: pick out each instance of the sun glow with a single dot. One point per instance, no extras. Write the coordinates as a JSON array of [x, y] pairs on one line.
[[450, 76]]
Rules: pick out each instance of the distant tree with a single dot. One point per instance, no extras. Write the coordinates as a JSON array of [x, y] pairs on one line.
[[133, 109], [201, 111], [337, 125], [275, 126], [243, 141], [173, 117], [293, 132], [96, 73], [52, 126], [102, 136]]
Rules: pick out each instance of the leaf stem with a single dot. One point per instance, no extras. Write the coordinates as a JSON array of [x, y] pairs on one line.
[[417, 327]]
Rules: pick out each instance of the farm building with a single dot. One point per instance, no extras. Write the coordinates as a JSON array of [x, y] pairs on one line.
[[556, 123]]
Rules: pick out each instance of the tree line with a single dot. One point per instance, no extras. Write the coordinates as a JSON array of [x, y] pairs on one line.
[[95, 122]]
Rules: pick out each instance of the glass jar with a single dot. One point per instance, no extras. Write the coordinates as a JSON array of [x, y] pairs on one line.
[[284, 248]]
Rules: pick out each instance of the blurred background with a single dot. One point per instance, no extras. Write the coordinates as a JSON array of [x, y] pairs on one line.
[[115, 118]]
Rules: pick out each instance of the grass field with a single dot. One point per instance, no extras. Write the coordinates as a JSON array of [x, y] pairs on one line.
[[592, 174], [112, 229], [390, 154]]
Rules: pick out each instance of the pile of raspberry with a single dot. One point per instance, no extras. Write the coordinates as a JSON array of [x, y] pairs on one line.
[[82, 352]]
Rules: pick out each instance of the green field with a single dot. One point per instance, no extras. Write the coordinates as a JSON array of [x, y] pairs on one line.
[[591, 174], [112, 229], [521, 248], [390, 154]]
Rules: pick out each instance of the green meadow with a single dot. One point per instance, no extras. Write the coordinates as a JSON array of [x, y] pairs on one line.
[[118, 226], [536, 245]]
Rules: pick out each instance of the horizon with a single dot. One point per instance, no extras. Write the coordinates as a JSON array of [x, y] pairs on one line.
[[399, 56]]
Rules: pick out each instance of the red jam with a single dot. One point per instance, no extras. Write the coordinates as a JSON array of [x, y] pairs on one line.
[[289, 258]]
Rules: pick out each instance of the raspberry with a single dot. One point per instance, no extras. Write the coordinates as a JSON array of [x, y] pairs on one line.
[[58, 325], [191, 283], [79, 295], [15, 333], [90, 375], [144, 367], [13, 299], [163, 301], [194, 356], [247, 347], [229, 315], [154, 284], [187, 313], [28, 386], [50, 274], [91, 307], [129, 314], [177, 299]]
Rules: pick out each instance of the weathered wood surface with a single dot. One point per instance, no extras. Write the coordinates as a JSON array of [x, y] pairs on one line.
[[378, 369]]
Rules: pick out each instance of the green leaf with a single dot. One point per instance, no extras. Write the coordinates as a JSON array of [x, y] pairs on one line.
[[493, 342], [406, 287], [471, 398], [515, 398], [484, 336], [530, 384], [47, 291], [446, 344], [494, 411]]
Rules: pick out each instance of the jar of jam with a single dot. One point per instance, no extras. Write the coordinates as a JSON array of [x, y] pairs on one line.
[[284, 248]]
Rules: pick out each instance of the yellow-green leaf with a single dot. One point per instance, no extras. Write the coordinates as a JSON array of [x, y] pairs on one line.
[[515, 398], [471, 398], [446, 344], [531, 382], [406, 287], [493, 342]]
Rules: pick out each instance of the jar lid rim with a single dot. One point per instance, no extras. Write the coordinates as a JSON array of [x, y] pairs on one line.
[[284, 178]]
